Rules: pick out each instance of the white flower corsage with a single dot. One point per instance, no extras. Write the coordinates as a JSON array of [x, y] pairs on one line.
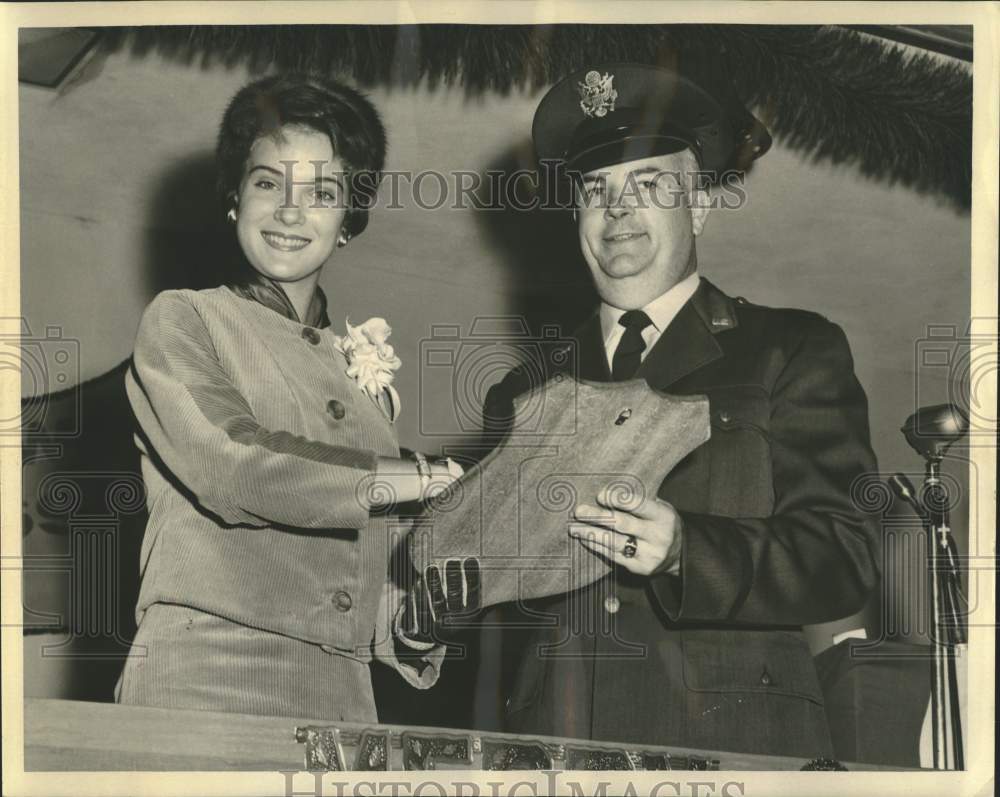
[[371, 362]]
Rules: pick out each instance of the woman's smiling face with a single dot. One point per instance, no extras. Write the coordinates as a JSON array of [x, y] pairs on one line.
[[291, 205]]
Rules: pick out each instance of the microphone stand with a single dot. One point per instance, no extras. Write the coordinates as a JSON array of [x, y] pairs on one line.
[[931, 431]]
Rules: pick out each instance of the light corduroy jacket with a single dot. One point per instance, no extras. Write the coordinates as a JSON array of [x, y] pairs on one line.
[[258, 454]]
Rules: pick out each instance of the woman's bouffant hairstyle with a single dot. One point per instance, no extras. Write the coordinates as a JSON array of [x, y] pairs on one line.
[[353, 125]]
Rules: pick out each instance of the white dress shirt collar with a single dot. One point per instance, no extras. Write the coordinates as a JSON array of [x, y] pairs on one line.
[[661, 311]]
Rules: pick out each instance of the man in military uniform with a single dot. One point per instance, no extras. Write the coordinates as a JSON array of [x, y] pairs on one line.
[[695, 639]]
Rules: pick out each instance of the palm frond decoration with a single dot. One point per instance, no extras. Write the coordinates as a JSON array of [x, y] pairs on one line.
[[829, 92]]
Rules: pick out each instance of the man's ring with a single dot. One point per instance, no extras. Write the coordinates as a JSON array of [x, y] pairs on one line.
[[631, 546]]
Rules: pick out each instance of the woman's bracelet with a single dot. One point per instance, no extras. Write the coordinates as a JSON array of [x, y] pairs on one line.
[[423, 471]]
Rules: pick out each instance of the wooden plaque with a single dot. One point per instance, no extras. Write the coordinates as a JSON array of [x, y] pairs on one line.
[[569, 440]]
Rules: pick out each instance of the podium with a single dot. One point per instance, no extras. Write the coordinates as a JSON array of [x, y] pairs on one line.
[[72, 736]]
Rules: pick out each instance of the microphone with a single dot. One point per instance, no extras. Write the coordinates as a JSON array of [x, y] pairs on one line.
[[930, 431]]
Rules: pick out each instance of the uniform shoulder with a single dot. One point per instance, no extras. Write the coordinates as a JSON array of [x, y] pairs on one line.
[[787, 317], [790, 329]]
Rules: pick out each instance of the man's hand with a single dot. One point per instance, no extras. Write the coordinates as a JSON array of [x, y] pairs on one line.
[[650, 532], [435, 597]]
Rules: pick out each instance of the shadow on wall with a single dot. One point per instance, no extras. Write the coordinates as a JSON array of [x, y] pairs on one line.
[[536, 242], [190, 242], [83, 516], [83, 501]]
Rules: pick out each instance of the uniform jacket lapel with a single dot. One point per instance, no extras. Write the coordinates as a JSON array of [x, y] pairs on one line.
[[689, 343], [593, 360]]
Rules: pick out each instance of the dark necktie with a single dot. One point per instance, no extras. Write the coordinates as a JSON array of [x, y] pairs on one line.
[[628, 355]]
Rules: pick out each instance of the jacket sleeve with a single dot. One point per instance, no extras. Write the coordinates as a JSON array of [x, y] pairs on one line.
[[816, 558], [197, 425]]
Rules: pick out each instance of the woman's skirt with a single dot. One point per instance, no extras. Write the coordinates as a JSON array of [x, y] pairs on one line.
[[184, 658]]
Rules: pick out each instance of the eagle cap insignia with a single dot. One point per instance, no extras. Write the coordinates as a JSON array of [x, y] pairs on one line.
[[597, 95]]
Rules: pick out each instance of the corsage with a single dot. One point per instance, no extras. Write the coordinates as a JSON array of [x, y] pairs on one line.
[[371, 361]]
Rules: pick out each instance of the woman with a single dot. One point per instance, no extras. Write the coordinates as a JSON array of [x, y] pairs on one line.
[[267, 439]]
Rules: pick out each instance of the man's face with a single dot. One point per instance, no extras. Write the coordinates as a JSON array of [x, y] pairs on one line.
[[635, 226]]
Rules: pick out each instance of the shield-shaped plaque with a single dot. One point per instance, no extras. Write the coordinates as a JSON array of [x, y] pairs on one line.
[[512, 510]]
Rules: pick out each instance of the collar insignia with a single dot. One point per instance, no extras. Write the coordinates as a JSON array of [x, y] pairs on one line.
[[597, 96]]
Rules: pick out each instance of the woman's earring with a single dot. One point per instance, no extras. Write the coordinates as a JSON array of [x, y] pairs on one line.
[[342, 239], [231, 215]]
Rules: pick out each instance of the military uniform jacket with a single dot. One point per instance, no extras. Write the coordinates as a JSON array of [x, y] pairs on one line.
[[715, 658], [258, 455]]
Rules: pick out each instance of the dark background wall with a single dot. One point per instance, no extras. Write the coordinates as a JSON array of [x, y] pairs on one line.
[[116, 204]]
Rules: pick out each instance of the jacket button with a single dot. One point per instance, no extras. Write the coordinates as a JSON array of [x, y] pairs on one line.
[[765, 678], [310, 335], [725, 417], [336, 409], [612, 604], [342, 601]]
